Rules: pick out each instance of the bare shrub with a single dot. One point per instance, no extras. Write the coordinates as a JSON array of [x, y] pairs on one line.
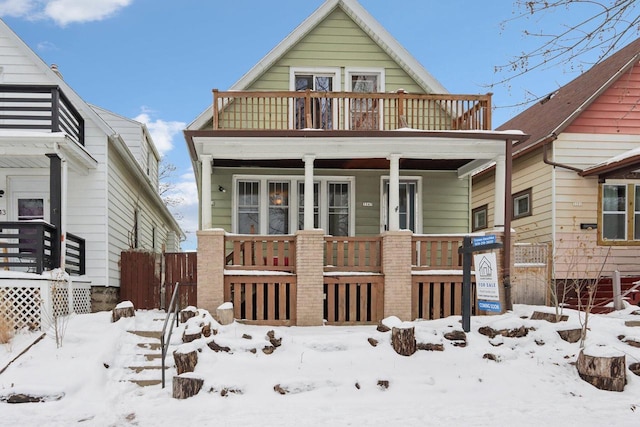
[[7, 330]]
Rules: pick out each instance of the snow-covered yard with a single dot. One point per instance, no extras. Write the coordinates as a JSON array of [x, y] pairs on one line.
[[331, 375]]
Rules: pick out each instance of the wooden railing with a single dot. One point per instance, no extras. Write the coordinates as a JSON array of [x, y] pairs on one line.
[[436, 252], [361, 254], [38, 107], [289, 110], [249, 252]]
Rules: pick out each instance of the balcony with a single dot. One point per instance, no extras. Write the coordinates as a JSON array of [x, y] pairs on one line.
[[288, 110], [34, 247], [39, 108]]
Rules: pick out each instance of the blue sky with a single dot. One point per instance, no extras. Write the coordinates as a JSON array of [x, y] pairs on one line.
[[157, 60]]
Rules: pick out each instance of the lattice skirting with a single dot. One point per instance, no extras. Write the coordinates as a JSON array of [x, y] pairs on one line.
[[27, 305]]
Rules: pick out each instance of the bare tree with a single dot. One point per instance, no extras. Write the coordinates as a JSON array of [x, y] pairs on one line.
[[166, 170], [591, 30]]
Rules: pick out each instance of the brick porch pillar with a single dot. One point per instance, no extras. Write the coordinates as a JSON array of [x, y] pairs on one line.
[[210, 269], [310, 278], [396, 266]]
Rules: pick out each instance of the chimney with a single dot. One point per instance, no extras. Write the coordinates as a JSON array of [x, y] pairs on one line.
[[54, 68]]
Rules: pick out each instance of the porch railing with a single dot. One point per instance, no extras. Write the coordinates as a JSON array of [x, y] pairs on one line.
[[436, 252], [289, 110], [252, 252], [39, 107], [34, 247]]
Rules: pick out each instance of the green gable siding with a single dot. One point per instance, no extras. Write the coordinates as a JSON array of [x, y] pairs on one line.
[[336, 42]]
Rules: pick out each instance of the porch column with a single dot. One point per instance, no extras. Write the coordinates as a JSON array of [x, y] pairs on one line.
[[63, 218], [396, 266], [310, 277], [55, 204], [394, 192], [205, 210], [500, 193], [210, 287], [308, 192]]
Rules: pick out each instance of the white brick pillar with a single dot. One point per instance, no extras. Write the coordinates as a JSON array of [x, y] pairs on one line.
[[211, 269], [310, 277], [396, 266]]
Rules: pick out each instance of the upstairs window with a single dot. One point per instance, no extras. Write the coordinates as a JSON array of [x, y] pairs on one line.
[[321, 108]]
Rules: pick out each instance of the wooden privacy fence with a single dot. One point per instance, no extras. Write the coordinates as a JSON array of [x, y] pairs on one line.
[[145, 277]]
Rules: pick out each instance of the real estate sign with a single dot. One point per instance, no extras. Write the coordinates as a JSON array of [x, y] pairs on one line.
[[487, 292]]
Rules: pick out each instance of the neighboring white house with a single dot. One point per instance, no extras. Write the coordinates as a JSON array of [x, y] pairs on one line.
[[78, 184]]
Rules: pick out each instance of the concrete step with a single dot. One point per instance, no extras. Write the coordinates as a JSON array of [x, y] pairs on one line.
[[146, 383], [147, 334], [149, 346]]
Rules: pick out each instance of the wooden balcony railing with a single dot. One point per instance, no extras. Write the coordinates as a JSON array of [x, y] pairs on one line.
[[436, 252], [38, 107], [289, 110], [358, 254], [35, 247]]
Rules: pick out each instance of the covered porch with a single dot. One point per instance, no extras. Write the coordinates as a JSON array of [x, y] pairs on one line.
[[311, 276], [41, 144]]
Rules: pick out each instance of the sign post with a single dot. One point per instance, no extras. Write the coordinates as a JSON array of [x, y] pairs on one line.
[[486, 276]]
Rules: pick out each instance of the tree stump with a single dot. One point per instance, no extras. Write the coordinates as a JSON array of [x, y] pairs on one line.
[[185, 362], [549, 317], [403, 340], [186, 314], [124, 309], [224, 314], [188, 337], [603, 372], [570, 335], [185, 386]]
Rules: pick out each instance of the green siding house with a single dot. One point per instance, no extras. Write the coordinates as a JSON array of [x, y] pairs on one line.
[[340, 111]]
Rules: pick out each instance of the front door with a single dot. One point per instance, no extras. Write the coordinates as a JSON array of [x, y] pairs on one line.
[[408, 205], [29, 199]]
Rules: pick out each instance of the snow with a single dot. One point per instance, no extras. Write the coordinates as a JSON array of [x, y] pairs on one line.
[[332, 375]]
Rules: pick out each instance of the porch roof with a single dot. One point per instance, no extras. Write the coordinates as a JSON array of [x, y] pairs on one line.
[[28, 149], [452, 150]]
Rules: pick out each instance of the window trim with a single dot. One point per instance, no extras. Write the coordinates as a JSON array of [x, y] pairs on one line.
[[519, 194], [293, 180], [484, 208]]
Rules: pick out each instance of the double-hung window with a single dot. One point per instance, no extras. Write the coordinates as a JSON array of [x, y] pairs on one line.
[[365, 113], [275, 204]]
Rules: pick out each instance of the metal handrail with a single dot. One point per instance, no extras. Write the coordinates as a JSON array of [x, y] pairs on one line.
[[164, 344]]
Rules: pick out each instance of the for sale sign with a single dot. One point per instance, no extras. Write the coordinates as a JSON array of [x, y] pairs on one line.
[[487, 292]]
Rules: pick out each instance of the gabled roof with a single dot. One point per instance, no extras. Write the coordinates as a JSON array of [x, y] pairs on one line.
[[366, 22], [546, 119]]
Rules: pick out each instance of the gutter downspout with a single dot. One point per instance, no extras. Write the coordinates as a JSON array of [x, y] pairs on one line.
[[545, 156]]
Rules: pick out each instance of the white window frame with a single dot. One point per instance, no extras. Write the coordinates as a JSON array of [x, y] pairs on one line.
[[418, 209], [348, 73], [24, 187], [333, 72], [293, 180]]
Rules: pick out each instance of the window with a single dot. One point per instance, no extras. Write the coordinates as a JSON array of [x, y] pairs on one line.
[[275, 204], [365, 113], [614, 212], [322, 111], [522, 204], [248, 207], [480, 217], [316, 207]]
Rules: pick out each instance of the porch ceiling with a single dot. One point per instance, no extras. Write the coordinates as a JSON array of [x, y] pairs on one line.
[[25, 149], [405, 164], [349, 145]]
